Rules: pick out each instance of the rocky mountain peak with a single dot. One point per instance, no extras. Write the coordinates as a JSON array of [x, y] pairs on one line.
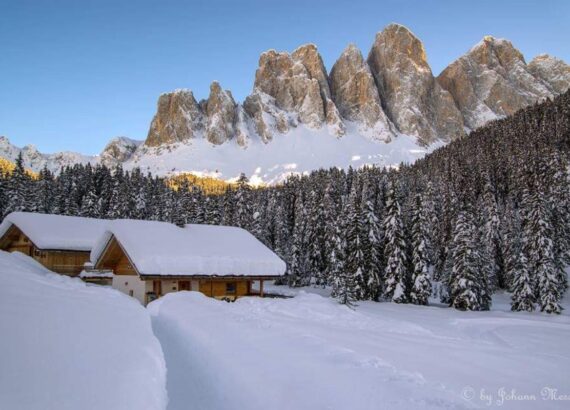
[[414, 101], [177, 118], [220, 110], [492, 51], [118, 150], [356, 96], [492, 80], [297, 84], [551, 70], [400, 40]]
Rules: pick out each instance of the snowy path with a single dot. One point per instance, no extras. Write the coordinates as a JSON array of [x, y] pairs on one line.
[[311, 353]]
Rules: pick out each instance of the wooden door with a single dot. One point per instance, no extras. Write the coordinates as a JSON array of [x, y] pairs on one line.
[[184, 285], [157, 287]]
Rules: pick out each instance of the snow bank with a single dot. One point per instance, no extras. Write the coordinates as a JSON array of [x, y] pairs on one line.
[[311, 353], [56, 231], [69, 345], [161, 248]]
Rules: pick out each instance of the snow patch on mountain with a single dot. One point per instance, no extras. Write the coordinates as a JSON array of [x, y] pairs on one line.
[[299, 151]]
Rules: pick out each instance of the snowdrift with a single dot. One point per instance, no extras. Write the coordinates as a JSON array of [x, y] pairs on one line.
[[309, 352], [69, 345]]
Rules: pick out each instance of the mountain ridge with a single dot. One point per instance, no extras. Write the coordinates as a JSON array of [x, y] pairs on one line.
[[383, 109]]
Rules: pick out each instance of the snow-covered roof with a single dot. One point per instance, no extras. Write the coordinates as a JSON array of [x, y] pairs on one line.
[[161, 248], [56, 231]]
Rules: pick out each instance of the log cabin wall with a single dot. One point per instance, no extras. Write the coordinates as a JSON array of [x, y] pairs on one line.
[[65, 262], [61, 261]]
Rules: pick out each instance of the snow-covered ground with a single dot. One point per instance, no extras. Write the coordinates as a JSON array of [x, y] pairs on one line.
[[309, 352], [68, 345]]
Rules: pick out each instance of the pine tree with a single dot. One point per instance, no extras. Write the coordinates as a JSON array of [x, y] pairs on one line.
[[421, 284], [540, 251], [522, 292], [315, 238], [492, 238], [372, 244], [354, 253], [333, 240], [18, 189], [298, 265], [465, 289], [394, 251], [243, 212], [346, 289]]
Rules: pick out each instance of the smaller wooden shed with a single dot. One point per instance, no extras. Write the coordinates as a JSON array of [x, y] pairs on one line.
[[150, 259], [60, 243]]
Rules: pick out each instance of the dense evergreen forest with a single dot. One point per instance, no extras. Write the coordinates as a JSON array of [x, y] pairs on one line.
[[490, 211]]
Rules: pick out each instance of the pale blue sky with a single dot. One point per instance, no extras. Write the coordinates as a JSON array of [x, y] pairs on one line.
[[74, 73]]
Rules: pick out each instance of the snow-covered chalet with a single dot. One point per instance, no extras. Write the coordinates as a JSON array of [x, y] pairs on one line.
[[145, 259]]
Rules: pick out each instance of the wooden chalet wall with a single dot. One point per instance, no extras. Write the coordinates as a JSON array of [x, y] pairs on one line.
[[61, 261], [217, 287], [115, 259]]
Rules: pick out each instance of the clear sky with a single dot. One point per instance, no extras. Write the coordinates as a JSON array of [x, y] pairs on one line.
[[74, 73]]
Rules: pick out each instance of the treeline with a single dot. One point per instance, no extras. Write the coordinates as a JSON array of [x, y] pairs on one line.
[[490, 211]]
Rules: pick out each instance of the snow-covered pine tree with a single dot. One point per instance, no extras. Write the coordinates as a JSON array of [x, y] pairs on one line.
[[228, 217], [421, 282], [354, 250], [394, 251], [333, 228], [464, 283], [90, 204], [522, 292], [345, 288], [243, 212], [540, 250], [371, 241], [44, 191], [315, 239], [18, 189], [492, 237], [559, 206], [512, 243], [298, 267]]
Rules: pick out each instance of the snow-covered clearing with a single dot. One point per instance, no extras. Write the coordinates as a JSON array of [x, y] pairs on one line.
[[309, 352], [68, 345]]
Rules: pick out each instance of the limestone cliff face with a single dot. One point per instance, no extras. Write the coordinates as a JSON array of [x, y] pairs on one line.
[[220, 109], [177, 119], [414, 101], [551, 70], [493, 80], [355, 94], [298, 84]]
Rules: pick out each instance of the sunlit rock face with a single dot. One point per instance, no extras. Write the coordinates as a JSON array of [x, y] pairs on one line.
[[412, 98], [492, 80]]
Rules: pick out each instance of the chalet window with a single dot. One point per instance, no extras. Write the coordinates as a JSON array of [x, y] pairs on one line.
[[230, 287], [131, 292]]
